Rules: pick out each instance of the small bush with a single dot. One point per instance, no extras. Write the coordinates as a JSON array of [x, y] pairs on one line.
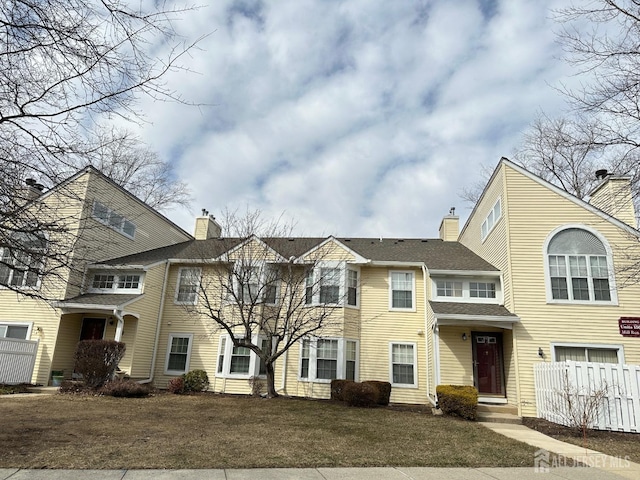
[[97, 361], [458, 400], [125, 388], [360, 394], [196, 381], [337, 389], [176, 385], [11, 389], [384, 391]]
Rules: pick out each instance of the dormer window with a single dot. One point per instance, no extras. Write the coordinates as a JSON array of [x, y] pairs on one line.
[[476, 290], [115, 282]]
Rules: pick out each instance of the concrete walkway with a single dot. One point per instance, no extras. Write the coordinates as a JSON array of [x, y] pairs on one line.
[[382, 473]]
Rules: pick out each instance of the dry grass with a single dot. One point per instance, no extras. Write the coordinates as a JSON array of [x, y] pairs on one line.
[[617, 444], [212, 431]]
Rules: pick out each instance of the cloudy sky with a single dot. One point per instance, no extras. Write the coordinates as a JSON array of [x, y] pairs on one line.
[[354, 117]]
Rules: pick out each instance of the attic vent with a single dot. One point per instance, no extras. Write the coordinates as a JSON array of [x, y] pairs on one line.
[[347, 240], [601, 174], [291, 239], [424, 240], [401, 240]]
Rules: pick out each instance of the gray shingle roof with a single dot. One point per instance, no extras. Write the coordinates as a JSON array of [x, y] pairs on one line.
[[481, 309], [434, 253], [102, 299]]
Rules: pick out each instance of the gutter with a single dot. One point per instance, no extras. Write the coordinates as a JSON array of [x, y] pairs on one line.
[[159, 321]]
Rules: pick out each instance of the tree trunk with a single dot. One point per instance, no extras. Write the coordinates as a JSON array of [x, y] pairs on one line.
[[271, 388]]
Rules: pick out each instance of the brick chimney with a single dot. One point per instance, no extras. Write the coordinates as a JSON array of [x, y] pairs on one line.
[[613, 195], [206, 227], [450, 227]]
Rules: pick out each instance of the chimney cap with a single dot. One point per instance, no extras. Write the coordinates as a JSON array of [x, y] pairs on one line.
[[30, 181], [602, 173], [39, 186]]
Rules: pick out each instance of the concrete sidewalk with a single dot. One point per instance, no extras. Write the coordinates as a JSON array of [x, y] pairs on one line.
[[382, 473]]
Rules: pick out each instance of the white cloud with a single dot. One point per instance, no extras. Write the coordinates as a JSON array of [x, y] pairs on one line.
[[354, 117]]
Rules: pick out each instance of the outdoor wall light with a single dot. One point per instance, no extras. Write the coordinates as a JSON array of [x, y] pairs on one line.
[[464, 337], [540, 352]]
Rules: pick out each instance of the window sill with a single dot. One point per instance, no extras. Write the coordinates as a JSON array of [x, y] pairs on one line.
[[595, 303], [315, 380], [175, 372], [391, 309], [404, 385]]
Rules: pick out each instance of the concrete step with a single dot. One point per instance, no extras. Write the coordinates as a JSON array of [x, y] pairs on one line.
[[499, 418], [498, 408]]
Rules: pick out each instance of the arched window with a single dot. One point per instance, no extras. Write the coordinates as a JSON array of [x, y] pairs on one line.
[[578, 267]]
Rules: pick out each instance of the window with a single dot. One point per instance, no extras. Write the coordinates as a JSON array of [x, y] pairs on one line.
[[588, 353], [240, 362], [449, 289], [325, 359], [332, 283], [352, 287], [578, 267], [116, 282], [21, 266], [491, 220], [188, 284], [329, 285], [482, 290], [20, 331], [471, 290], [402, 290], [256, 284], [403, 364], [178, 353], [108, 217]]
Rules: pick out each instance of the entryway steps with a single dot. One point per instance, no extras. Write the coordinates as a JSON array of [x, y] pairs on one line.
[[498, 413]]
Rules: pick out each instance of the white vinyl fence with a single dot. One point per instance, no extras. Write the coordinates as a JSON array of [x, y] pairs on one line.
[[617, 388], [17, 358]]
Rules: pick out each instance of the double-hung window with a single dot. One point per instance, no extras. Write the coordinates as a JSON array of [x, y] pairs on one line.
[[403, 364], [178, 353], [22, 265], [325, 359], [329, 285], [239, 361], [188, 284], [402, 290], [578, 267], [352, 287]]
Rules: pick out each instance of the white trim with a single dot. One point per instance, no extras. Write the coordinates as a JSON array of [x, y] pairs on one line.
[[225, 256], [413, 291], [465, 273], [168, 353], [199, 275], [29, 326], [610, 265], [116, 280], [357, 257], [414, 345], [466, 290], [607, 346]]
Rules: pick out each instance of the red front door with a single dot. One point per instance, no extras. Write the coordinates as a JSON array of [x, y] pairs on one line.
[[487, 363], [92, 328]]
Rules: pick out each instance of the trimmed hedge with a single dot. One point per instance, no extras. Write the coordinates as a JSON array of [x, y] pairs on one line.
[[360, 394], [384, 390], [337, 389], [460, 400], [125, 389], [97, 361], [196, 381]]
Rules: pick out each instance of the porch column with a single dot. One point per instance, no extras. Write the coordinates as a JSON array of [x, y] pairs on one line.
[[119, 328]]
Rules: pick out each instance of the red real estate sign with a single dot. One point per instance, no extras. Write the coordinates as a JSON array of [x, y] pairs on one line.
[[629, 326]]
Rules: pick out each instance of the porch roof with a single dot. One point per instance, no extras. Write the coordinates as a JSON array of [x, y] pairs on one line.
[[102, 301], [471, 309]]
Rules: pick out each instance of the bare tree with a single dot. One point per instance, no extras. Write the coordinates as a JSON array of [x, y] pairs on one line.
[[267, 292], [64, 67], [126, 160]]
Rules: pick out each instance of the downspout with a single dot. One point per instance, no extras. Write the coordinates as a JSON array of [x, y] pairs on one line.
[[160, 314], [436, 354], [425, 275]]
